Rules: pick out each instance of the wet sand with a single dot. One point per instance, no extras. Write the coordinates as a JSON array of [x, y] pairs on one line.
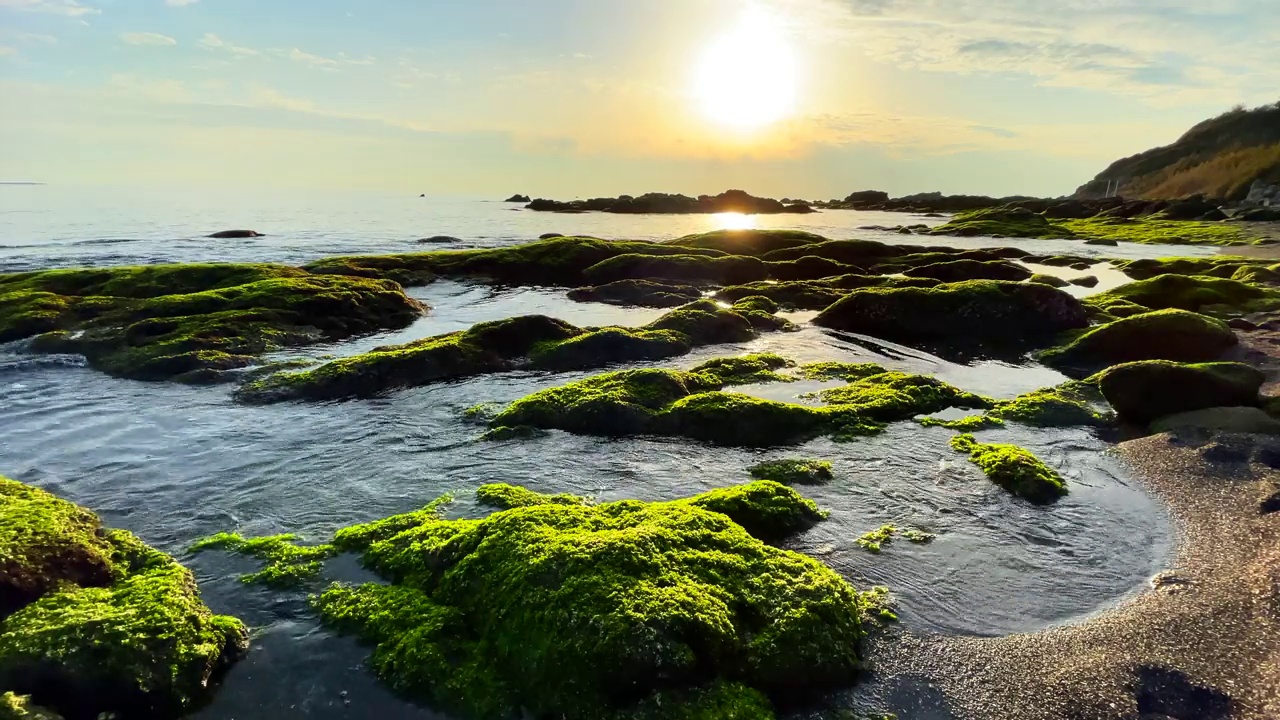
[[1202, 644], [1266, 231]]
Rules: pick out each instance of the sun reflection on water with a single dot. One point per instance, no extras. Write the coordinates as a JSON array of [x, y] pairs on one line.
[[733, 221]]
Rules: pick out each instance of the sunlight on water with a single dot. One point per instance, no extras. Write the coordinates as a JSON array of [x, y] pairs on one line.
[[733, 221]]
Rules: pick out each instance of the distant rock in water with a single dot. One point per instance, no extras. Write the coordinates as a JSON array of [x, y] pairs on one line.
[[232, 234], [550, 236], [519, 198], [731, 201], [440, 240]]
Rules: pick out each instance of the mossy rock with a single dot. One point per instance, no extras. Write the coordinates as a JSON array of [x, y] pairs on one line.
[[190, 322], [524, 342], [862, 253], [794, 471], [973, 312], [810, 267], [748, 242], [802, 295], [1143, 392], [1050, 280], [97, 622], [1013, 468], [558, 261], [639, 293], [623, 610], [727, 270], [1066, 405], [1088, 281], [1002, 222], [1163, 335], [1183, 292], [960, 270]]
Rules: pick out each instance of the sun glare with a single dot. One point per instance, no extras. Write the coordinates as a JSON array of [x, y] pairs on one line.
[[747, 78], [733, 221]]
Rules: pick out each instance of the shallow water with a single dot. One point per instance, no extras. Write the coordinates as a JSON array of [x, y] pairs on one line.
[[175, 463]]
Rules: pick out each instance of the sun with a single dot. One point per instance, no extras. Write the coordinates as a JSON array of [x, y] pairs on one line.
[[748, 76]]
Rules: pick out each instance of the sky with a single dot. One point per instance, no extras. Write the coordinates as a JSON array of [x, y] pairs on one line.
[[582, 98]]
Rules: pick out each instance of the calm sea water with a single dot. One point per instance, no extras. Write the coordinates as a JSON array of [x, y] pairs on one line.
[[175, 463]]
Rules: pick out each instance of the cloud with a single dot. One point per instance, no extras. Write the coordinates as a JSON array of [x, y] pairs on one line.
[[180, 3], [213, 42], [314, 60], [67, 8], [147, 38]]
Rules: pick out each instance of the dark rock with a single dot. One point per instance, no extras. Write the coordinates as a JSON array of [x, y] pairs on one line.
[[1225, 452], [1192, 208], [1102, 241], [1164, 691], [1087, 281], [959, 270], [1270, 503], [518, 199], [1146, 391], [550, 236], [235, 234], [1070, 210], [867, 197], [1264, 214], [730, 201], [440, 239], [641, 293], [1214, 215], [1241, 324]]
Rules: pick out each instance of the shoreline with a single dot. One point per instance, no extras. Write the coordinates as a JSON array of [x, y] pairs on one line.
[[1203, 643]]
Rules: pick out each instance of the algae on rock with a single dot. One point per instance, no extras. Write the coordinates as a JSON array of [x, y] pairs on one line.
[[94, 621], [1013, 468], [1161, 335], [794, 471], [1146, 391]]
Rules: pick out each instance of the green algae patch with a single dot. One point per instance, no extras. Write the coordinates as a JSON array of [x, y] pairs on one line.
[[534, 342], [1162, 335], [191, 323], [848, 372], [557, 261], [1143, 392], [1013, 468], [967, 313], [748, 242], [1183, 292], [639, 293], [621, 610], [1023, 223], [288, 564], [794, 471], [969, 423], [19, 707], [875, 540], [1065, 405], [101, 623], [507, 497], [692, 405]]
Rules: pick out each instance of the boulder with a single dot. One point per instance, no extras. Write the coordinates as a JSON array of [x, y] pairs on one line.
[[976, 311], [519, 199], [1070, 210], [1088, 281], [1143, 392], [1162, 335], [234, 234], [1192, 208], [1050, 280], [959, 270], [640, 293]]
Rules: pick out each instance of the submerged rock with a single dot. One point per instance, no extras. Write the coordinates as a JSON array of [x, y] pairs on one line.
[[976, 311], [188, 322], [624, 610], [641, 293], [1143, 392], [93, 621], [1163, 335], [529, 341], [794, 471], [1013, 468], [235, 234]]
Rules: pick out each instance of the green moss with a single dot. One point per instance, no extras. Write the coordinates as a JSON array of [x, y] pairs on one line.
[[1002, 222], [970, 423], [288, 565], [794, 471], [961, 270], [756, 302], [1018, 222], [1013, 468], [849, 372], [190, 322], [643, 293], [113, 626], [19, 707], [531, 341], [689, 404], [1062, 406], [977, 311], [746, 369], [875, 540], [747, 242], [1219, 266], [803, 295], [558, 261], [767, 509], [1142, 392], [1050, 280], [1162, 335], [620, 610], [506, 497], [1191, 293]]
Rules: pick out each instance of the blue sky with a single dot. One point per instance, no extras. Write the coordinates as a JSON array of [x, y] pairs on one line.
[[588, 97]]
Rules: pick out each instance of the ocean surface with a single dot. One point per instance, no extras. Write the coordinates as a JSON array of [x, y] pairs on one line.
[[175, 463]]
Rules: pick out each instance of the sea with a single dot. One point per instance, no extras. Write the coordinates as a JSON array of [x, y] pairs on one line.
[[175, 463]]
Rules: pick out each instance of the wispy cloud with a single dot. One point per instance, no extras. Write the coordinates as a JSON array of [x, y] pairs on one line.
[[147, 38], [180, 3], [213, 42], [68, 8], [314, 60]]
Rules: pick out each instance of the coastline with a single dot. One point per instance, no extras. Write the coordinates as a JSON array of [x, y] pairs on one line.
[[1204, 643]]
